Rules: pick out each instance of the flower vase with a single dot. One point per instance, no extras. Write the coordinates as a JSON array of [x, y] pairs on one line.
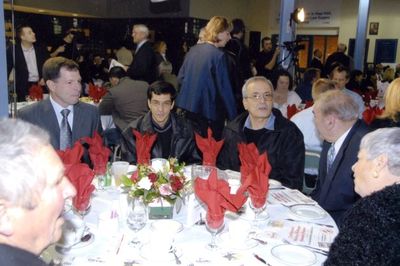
[[160, 209]]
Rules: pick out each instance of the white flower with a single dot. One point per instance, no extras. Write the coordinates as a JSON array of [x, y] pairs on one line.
[[165, 190], [145, 183]]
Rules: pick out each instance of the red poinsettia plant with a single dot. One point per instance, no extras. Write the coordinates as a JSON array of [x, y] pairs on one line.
[[152, 183]]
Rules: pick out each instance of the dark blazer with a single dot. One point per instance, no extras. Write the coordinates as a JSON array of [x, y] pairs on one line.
[[335, 191], [42, 114], [21, 69], [316, 63], [143, 66], [13, 256]]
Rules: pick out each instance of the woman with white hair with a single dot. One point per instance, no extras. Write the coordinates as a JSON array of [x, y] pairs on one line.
[[370, 233]]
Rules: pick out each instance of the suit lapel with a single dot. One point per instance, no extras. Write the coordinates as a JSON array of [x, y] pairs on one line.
[[54, 127]]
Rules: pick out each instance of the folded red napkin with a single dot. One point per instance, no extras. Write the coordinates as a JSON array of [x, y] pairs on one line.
[[81, 176], [98, 153], [308, 104], [71, 155], [370, 113], [144, 143], [96, 92], [291, 110], [215, 193], [209, 147], [254, 170], [36, 92]]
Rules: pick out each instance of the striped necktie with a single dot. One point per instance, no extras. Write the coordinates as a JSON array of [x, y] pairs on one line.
[[331, 156], [65, 131]]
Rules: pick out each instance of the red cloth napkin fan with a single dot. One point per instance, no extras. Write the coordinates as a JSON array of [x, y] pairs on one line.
[[291, 110], [209, 147], [370, 114], [71, 155], [255, 170], [143, 146], [96, 92], [98, 153], [36, 92], [308, 104], [81, 176], [215, 193]]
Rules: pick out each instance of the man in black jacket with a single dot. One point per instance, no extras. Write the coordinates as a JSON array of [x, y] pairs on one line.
[[269, 130], [175, 137], [29, 59]]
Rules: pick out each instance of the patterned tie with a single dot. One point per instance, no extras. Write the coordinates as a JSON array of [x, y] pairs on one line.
[[331, 156], [65, 131]]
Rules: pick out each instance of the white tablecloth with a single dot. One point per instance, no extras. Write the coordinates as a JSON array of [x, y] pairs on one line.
[[111, 247]]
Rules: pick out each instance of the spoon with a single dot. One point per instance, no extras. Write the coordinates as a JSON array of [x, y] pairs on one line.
[[84, 238]]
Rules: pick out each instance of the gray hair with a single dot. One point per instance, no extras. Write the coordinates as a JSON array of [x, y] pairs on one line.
[[21, 179], [142, 28], [338, 103], [384, 141], [252, 80]]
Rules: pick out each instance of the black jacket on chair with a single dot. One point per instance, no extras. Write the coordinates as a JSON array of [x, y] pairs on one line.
[[284, 146], [183, 145]]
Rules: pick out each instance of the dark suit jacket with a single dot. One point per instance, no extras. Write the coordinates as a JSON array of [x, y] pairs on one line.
[[316, 63], [21, 69], [143, 66], [126, 101], [335, 191], [13, 256], [42, 114]]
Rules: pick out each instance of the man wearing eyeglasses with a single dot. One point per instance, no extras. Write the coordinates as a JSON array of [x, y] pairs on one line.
[[175, 137], [269, 130]]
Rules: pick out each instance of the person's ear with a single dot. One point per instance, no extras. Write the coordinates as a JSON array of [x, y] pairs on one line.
[[148, 104], [172, 105], [6, 227], [51, 85], [244, 101]]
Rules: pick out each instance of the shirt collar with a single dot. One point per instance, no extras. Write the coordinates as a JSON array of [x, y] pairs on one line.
[[268, 125], [58, 108]]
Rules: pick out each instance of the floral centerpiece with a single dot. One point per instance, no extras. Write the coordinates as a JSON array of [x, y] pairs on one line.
[[154, 182]]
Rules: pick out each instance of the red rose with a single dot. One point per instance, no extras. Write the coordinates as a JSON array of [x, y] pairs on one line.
[[135, 176], [176, 183], [153, 177]]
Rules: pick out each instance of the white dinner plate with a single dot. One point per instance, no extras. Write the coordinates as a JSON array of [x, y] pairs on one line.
[[274, 183], [310, 212], [293, 255], [167, 225], [147, 252], [225, 241], [59, 246]]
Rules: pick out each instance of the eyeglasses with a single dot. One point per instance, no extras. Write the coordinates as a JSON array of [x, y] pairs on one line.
[[258, 97]]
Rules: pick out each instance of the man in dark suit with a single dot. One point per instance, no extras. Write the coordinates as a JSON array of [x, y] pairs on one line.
[[336, 118], [316, 62], [143, 66], [29, 59], [63, 80]]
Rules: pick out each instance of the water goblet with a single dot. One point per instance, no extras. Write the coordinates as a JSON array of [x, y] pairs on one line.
[[258, 205], [214, 225], [137, 218]]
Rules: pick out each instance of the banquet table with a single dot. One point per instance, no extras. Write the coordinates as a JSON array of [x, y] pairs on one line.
[[111, 243]]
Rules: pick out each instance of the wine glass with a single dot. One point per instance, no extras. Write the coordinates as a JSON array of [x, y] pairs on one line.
[[214, 226], [137, 218], [258, 205]]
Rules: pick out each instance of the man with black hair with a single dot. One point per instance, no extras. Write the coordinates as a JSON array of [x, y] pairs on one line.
[[66, 47], [29, 59], [175, 137], [266, 59]]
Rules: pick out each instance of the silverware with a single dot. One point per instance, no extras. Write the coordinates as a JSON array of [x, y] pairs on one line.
[[292, 220], [84, 238], [259, 258], [260, 241], [177, 260]]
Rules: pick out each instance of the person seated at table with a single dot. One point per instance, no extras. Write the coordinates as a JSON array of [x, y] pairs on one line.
[[304, 119], [64, 117], [32, 195], [391, 114], [336, 119], [369, 234], [269, 130], [175, 137]]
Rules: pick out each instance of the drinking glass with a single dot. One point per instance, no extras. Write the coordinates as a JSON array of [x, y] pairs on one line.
[[119, 169], [137, 217], [214, 227], [258, 209]]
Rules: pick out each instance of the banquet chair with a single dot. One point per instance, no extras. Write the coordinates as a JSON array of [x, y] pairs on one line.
[[310, 171]]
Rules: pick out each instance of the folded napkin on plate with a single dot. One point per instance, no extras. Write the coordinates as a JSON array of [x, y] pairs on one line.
[[98, 153], [144, 143], [215, 193], [291, 110], [96, 92], [370, 114], [71, 155], [254, 170], [36, 92], [209, 147], [81, 176]]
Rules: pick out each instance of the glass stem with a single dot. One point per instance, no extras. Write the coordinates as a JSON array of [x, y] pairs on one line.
[[213, 237]]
